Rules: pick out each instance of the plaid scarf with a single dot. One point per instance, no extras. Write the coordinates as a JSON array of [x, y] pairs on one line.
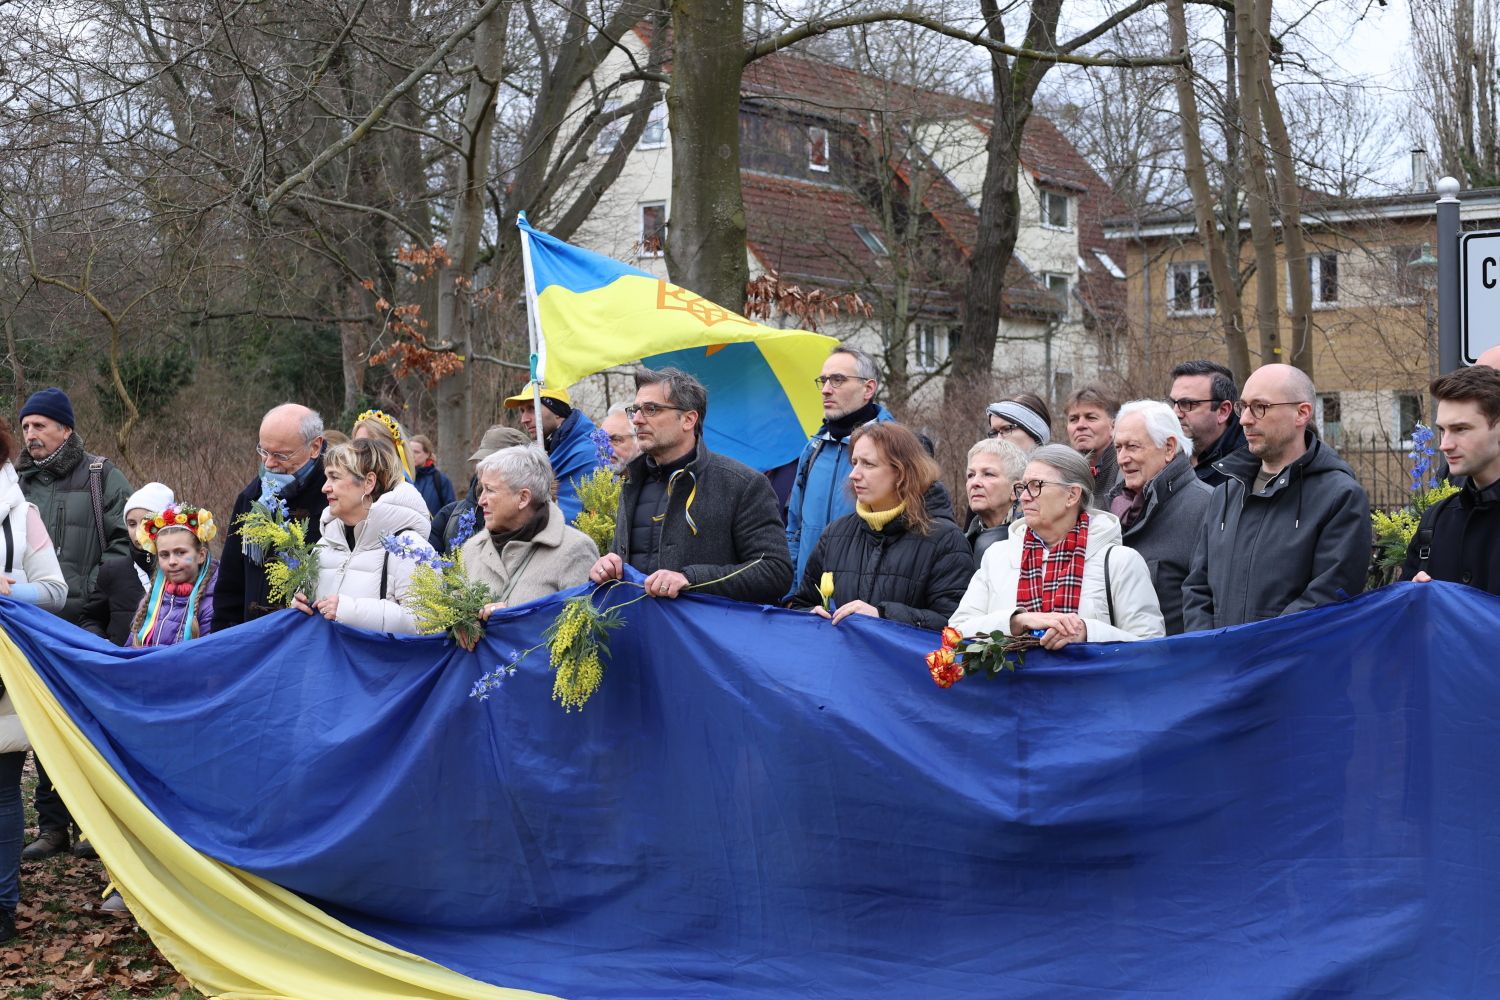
[[1053, 580]]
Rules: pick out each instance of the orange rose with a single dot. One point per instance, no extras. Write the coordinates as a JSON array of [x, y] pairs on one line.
[[951, 637]]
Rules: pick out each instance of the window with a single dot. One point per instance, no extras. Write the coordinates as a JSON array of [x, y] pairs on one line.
[[1323, 269], [1408, 415], [653, 228], [817, 149], [1055, 213], [1059, 284], [1190, 289], [870, 240], [1331, 416], [655, 135], [613, 128], [933, 344]]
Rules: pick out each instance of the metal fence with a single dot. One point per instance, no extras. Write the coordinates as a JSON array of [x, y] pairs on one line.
[[1381, 466]]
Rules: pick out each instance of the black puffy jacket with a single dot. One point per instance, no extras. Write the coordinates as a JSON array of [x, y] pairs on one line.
[[911, 578]]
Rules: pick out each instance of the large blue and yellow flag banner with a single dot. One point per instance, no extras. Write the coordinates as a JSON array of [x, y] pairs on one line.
[[593, 313], [757, 803]]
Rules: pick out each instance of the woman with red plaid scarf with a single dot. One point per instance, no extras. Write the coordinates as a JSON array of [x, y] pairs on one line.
[[1062, 575]]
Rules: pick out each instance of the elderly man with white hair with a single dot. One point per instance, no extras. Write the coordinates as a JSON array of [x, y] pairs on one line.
[[527, 549], [1159, 500]]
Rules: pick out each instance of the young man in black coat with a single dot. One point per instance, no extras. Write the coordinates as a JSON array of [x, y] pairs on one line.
[[1458, 538]]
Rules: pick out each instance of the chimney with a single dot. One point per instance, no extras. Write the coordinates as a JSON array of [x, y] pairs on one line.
[[1420, 181]]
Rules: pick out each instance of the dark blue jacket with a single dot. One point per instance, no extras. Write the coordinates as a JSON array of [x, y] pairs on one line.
[[436, 488]]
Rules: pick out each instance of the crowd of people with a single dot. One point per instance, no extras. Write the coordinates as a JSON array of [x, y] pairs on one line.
[[1212, 508]]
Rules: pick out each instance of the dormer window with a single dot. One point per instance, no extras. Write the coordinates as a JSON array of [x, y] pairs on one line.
[[1056, 210], [817, 149], [871, 241]]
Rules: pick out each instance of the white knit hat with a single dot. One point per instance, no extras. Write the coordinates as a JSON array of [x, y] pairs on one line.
[[155, 497]]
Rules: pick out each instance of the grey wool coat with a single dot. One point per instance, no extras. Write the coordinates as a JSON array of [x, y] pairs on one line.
[[1167, 532], [735, 523], [560, 556]]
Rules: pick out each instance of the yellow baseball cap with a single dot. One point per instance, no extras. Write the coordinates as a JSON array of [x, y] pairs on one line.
[[524, 397]]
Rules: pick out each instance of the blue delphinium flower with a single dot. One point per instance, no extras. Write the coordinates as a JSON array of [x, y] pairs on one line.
[[604, 451], [410, 547], [1421, 455], [492, 681], [467, 521]]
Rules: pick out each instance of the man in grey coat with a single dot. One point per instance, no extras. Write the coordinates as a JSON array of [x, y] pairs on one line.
[[1290, 528], [690, 518], [1159, 500]]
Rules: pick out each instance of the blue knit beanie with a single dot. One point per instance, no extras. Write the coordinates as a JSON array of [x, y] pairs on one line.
[[53, 404]]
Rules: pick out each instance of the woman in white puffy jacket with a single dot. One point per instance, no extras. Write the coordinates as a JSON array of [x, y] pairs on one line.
[[29, 572], [360, 581], [1048, 577]]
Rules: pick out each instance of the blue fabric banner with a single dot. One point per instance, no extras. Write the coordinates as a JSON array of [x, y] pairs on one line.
[[757, 803]]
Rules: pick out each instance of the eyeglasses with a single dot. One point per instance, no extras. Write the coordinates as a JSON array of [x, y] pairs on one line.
[[1259, 408], [837, 381], [650, 410], [1033, 487], [276, 456], [1188, 405], [1002, 429]]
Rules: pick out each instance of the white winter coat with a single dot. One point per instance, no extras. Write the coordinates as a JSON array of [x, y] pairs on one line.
[[35, 561], [991, 598], [355, 575]]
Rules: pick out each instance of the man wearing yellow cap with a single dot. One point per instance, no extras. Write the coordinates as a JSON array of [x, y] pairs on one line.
[[568, 435]]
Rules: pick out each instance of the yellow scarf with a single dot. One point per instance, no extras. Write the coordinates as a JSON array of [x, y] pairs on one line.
[[878, 519]]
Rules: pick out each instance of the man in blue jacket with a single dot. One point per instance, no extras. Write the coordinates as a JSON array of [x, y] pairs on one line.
[[849, 381], [568, 435]]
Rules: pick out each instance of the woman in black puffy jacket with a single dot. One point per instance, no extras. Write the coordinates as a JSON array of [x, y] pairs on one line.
[[890, 558]]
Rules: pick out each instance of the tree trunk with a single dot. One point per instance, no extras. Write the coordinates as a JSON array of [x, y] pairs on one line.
[[453, 394], [1299, 278], [1000, 202], [1225, 277], [705, 244], [1258, 186]]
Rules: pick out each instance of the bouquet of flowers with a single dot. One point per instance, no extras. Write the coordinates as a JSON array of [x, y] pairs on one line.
[[291, 560], [1395, 529], [440, 596], [599, 492], [985, 652]]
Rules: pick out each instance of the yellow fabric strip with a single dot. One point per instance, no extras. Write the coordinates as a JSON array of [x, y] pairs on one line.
[[233, 935]]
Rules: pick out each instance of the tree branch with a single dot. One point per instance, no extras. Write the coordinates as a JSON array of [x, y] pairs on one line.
[[822, 26]]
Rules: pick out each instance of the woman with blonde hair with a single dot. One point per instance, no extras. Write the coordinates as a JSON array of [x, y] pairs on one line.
[[890, 558], [377, 425], [1062, 573], [361, 582]]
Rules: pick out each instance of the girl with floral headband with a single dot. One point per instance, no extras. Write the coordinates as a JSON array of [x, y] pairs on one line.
[[180, 603], [381, 426]]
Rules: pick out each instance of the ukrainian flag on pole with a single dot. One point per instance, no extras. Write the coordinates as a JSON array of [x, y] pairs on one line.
[[589, 312]]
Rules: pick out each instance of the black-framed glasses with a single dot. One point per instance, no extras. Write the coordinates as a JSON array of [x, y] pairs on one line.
[[837, 381], [1260, 407], [650, 409], [1189, 405], [1033, 487], [1002, 429]]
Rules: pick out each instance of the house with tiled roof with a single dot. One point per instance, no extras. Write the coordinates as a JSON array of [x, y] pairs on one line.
[[856, 184]]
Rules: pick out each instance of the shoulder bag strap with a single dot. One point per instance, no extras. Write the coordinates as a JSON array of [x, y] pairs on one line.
[[1109, 594], [515, 577], [1424, 536], [96, 498], [10, 545]]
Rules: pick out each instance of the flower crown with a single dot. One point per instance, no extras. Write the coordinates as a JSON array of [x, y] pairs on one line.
[[198, 520], [388, 421]]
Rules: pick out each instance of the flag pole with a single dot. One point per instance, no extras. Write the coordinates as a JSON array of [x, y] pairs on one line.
[[533, 329]]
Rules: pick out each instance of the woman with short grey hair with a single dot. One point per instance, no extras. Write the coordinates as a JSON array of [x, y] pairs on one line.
[[527, 549], [995, 466], [1061, 573]]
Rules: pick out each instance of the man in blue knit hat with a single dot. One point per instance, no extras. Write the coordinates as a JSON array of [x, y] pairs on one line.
[[81, 498]]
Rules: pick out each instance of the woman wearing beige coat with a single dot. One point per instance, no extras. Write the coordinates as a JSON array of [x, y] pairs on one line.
[[527, 549]]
